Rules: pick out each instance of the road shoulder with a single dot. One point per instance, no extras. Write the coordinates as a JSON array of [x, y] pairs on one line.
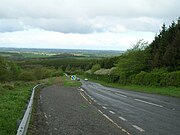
[[63, 110]]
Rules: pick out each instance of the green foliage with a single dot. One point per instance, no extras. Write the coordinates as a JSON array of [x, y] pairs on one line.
[[8, 86], [27, 76], [58, 72], [158, 78], [12, 102], [39, 73], [134, 60], [165, 49], [95, 67], [8, 70], [4, 70]]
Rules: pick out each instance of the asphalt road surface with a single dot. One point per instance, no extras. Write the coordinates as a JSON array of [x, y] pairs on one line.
[[67, 111], [137, 113]]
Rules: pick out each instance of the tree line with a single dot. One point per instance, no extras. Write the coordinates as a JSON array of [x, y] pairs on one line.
[[157, 63]]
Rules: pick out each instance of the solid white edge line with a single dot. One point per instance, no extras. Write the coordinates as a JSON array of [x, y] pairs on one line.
[[84, 97], [148, 102], [104, 114], [123, 119], [138, 128]]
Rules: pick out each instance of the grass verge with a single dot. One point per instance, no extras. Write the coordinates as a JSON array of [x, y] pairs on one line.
[[62, 80], [167, 91], [12, 102]]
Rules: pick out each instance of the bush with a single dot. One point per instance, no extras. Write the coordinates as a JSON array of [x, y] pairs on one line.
[[8, 86], [158, 78], [95, 67], [27, 76], [171, 79], [122, 78], [1, 89], [58, 72], [139, 78]]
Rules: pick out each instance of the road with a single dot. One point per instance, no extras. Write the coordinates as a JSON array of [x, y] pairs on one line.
[[63, 110], [137, 113]]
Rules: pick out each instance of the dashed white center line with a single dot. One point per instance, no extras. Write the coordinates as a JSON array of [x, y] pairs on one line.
[[104, 107], [138, 128], [148, 102], [121, 95], [123, 119], [45, 115], [112, 112], [114, 122]]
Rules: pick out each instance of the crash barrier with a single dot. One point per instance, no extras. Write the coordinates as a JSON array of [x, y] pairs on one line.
[[22, 129]]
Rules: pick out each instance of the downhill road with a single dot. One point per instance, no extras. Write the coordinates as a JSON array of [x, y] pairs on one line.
[[137, 113]]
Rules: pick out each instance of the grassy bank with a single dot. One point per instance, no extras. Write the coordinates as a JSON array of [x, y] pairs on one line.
[[168, 91], [13, 99], [61, 80]]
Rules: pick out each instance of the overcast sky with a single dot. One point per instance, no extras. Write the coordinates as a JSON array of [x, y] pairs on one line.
[[83, 24]]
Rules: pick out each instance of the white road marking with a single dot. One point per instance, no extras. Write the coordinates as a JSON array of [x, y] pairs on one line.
[[138, 128], [55, 128], [148, 102], [104, 107], [47, 123], [81, 89], [84, 97], [123, 119], [112, 112], [121, 95], [45, 115], [114, 122]]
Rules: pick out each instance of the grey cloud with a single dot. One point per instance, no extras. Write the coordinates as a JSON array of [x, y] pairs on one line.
[[86, 16]]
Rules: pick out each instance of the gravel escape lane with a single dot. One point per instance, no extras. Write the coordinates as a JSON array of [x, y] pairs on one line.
[[62, 111]]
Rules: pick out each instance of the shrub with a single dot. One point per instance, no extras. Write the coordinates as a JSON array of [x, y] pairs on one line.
[[58, 72], [95, 67], [8, 86], [139, 78], [171, 79], [1, 89], [27, 76], [158, 78]]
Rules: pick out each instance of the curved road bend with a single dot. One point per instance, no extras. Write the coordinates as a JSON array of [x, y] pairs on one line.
[[138, 113], [65, 111]]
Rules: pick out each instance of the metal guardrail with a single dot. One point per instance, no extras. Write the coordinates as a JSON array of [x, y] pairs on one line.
[[26, 118]]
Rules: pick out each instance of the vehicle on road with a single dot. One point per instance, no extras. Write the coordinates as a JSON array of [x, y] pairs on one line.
[[85, 79]]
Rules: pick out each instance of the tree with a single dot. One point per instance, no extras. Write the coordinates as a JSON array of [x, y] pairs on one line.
[[134, 60], [165, 49], [95, 67], [4, 70]]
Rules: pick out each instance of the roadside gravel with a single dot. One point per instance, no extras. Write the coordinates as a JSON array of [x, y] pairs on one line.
[[62, 111]]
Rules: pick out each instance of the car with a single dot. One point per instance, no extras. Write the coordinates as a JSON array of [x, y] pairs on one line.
[[78, 79], [85, 79]]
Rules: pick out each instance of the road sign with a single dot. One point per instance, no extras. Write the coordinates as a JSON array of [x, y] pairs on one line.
[[73, 77]]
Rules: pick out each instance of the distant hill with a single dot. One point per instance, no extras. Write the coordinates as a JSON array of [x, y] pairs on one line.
[[61, 52]]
